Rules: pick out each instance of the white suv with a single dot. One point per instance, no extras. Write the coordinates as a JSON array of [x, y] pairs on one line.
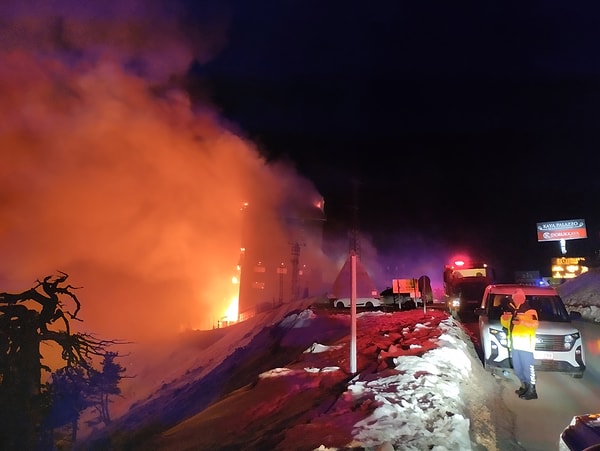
[[559, 345]]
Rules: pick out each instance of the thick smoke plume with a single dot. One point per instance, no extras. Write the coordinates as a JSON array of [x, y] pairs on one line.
[[108, 174]]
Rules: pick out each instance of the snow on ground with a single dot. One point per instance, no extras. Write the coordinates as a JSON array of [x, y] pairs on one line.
[[582, 294], [282, 381]]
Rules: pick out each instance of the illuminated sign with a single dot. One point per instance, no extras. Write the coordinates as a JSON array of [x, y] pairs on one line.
[[567, 260], [403, 285], [572, 229], [568, 267]]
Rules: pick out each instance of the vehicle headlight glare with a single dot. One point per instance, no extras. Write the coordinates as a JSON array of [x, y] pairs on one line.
[[500, 335], [570, 340]]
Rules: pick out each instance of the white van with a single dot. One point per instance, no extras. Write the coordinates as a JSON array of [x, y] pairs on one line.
[[559, 344]]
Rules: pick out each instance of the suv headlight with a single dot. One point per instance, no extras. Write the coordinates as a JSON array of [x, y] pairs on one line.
[[570, 340], [456, 302], [500, 335]]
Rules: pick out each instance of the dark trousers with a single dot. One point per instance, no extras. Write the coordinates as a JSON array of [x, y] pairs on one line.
[[523, 365]]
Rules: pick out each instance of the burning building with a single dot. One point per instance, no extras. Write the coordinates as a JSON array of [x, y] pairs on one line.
[[280, 264]]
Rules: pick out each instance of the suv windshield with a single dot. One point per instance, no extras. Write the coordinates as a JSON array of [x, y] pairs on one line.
[[549, 308]]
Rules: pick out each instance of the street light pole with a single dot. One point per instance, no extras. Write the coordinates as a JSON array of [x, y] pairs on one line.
[[281, 270], [353, 316]]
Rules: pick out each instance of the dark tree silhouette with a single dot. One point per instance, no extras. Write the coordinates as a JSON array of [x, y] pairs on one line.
[[66, 398], [104, 384], [30, 410]]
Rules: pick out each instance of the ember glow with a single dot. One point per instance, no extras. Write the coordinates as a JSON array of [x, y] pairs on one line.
[[108, 174]]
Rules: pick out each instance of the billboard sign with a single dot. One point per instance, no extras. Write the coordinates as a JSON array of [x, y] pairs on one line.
[[571, 229], [404, 285]]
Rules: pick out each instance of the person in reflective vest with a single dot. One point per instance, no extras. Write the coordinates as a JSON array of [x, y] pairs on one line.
[[522, 324]]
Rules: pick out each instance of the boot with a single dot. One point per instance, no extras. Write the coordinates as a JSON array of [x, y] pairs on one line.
[[530, 393], [521, 389]]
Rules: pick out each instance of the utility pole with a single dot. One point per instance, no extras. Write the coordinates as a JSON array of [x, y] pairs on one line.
[[281, 270], [354, 256], [241, 268], [295, 263], [353, 315]]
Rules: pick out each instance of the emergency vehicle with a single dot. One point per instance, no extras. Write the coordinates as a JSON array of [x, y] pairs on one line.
[[465, 280]]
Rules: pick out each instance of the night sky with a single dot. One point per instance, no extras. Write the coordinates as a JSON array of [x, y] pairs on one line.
[[432, 121]]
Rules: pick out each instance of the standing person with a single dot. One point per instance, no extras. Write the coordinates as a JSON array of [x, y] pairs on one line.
[[522, 325]]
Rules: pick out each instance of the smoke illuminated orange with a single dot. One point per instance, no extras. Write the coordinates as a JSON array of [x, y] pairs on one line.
[[118, 182]]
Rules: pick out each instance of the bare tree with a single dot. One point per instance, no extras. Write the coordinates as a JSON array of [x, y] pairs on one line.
[[27, 414]]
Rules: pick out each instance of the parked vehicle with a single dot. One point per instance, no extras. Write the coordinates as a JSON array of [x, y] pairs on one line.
[[559, 344], [360, 302], [582, 434]]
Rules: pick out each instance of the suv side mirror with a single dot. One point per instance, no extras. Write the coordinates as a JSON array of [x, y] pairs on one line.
[[479, 311], [575, 315]]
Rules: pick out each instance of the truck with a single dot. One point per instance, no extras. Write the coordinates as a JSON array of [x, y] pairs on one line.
[[465, 281], [407, 294]]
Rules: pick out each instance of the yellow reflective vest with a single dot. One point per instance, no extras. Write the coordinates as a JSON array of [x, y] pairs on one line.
[[522, 334]]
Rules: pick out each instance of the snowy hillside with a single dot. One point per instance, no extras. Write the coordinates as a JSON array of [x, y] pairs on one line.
[[582, 294], [281, 381]]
